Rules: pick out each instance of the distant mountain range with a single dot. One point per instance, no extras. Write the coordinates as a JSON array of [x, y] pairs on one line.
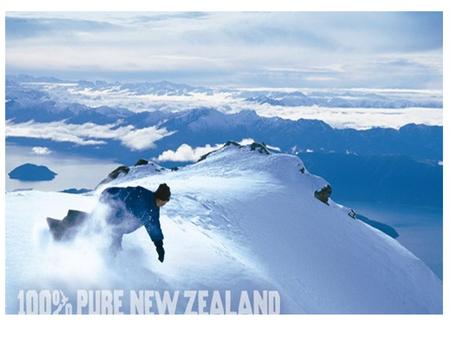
[[398, 165], [202, 126], [345, 98], [35, 99]]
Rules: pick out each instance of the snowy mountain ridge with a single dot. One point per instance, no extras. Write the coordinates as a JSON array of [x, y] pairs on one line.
[[92, 91], [238, 219]]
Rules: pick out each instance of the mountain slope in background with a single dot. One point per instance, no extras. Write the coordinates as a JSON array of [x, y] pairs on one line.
[[238, 219]]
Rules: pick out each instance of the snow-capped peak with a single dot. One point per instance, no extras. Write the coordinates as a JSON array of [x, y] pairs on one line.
[[239, 219]]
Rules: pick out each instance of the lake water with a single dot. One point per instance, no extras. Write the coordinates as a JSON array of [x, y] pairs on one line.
[[420, 228], [73, 171]]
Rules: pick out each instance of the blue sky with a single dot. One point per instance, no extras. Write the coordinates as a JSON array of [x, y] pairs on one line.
[[246, 49]]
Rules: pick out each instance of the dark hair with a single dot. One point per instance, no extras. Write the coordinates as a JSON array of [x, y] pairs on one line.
[[163, 192]]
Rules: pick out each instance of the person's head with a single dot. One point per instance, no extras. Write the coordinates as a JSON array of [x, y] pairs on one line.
[[162, 195]]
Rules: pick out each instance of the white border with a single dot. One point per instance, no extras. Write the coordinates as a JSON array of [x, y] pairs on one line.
[[240, 326]]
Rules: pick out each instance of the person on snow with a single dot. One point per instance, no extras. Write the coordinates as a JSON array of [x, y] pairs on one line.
[[133, 207], [128, 208]]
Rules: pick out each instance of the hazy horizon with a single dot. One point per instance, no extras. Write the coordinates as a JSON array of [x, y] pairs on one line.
[[249, 49]]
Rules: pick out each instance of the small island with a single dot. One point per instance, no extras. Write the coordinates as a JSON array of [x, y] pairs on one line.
[[76, 191], [32, 172]]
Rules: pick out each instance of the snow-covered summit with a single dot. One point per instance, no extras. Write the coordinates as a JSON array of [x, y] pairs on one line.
[[239, 219], [124, 173]]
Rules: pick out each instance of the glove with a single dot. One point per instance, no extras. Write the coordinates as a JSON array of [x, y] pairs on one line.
[[160, 250]]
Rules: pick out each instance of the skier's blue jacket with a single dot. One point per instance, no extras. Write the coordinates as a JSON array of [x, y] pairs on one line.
[[137, 201]]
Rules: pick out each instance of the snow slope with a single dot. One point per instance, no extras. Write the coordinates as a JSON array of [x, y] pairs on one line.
[[237, 220]]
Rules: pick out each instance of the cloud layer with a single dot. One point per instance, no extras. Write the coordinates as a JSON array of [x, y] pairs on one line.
[[87, 133], [41, 150], [185, 153], [347, 49]]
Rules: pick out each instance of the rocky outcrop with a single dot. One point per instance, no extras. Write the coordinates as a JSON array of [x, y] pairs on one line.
[[140, 168], [229, 143], [260, 147], [323, 194], [141, 162], [123, 169], [119, 170], [352, 213], [234, 143]]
